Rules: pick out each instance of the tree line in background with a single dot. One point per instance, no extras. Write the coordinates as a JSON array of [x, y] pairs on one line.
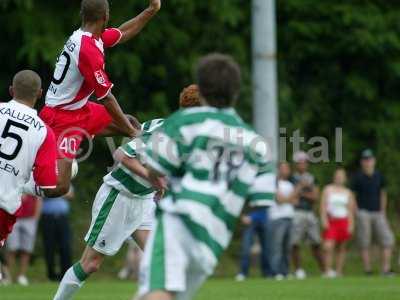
[[338, 61]]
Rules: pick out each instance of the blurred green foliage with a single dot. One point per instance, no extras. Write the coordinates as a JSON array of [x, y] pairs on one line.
[[339, 66]]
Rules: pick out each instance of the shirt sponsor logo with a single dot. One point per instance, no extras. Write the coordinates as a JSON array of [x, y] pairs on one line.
[[100, 77]]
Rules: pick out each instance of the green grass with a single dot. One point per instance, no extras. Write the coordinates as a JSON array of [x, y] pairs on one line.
[[374, 288]]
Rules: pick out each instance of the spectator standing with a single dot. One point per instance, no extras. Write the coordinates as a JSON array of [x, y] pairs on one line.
[[305, 222], [22, 239], [279, 230], [337, 218], [255, 222], [56, 233], [370, 189]]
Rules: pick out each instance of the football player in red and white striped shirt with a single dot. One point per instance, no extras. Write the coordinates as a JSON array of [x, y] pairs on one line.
[[80, 74], [27, 146]]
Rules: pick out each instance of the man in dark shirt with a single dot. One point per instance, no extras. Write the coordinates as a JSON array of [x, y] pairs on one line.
[[305, 222], [369, 188]]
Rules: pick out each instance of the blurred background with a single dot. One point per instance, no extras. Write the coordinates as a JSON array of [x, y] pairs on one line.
[[338, 66]]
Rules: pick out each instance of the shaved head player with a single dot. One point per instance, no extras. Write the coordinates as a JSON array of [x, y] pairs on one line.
[[80, 74], [26, 144]]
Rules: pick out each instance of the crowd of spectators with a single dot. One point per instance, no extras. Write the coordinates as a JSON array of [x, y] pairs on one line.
[[302, 215], [326, 221]]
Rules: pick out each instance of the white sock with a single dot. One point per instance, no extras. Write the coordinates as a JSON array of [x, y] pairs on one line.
[[72, 281]]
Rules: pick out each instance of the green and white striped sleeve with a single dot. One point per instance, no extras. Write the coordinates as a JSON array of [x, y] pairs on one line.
[[162, 151], [133, 148], [263, 190]]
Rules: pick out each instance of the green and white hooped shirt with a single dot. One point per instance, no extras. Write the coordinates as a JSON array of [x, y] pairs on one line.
[[123, 179], [215, 163]]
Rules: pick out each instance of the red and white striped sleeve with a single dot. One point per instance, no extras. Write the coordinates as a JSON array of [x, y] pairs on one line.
[[45, 166]]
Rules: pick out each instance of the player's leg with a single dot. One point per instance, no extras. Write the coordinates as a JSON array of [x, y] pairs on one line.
[[196, 279], [147, 207], [76, 275], [157, 295], [114, 130], [72, 281], [102, 124], [164, 263], [7, 222], [140, 237], [105, 237]]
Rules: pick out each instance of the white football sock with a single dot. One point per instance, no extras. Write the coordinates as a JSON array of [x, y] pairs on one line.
[[72, 281]]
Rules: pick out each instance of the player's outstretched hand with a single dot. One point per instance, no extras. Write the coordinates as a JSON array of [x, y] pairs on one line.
[[155, 5]]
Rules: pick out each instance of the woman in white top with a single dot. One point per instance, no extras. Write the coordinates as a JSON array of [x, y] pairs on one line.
[[280, 226], [337, 217]]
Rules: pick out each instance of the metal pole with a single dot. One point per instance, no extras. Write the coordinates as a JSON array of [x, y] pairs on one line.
[[265, 73]]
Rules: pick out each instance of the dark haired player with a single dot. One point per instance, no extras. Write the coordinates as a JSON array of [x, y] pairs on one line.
[[211, 174]]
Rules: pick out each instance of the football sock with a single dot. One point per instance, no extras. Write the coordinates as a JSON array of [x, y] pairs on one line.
[[72, 281]]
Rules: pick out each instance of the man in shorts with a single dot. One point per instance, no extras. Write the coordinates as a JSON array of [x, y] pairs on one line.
[[124, 206], [80, 74], [211, 174], [369, 187], [305, 222]]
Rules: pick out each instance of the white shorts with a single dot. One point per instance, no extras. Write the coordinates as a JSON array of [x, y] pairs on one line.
[[115, 217], [174, 260], [23, 236]]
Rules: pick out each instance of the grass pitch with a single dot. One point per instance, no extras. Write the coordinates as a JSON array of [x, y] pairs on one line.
[[374, 288]]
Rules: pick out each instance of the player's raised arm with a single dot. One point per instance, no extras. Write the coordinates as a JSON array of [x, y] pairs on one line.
[[132, 27]]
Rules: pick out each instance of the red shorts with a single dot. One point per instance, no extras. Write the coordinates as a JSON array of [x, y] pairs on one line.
[[338, 230], [72, 126], [7, 222]]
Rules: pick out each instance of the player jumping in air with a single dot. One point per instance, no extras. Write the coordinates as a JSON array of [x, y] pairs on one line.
[[124, 206], [79, 74], [210, 158], [26, 144]]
